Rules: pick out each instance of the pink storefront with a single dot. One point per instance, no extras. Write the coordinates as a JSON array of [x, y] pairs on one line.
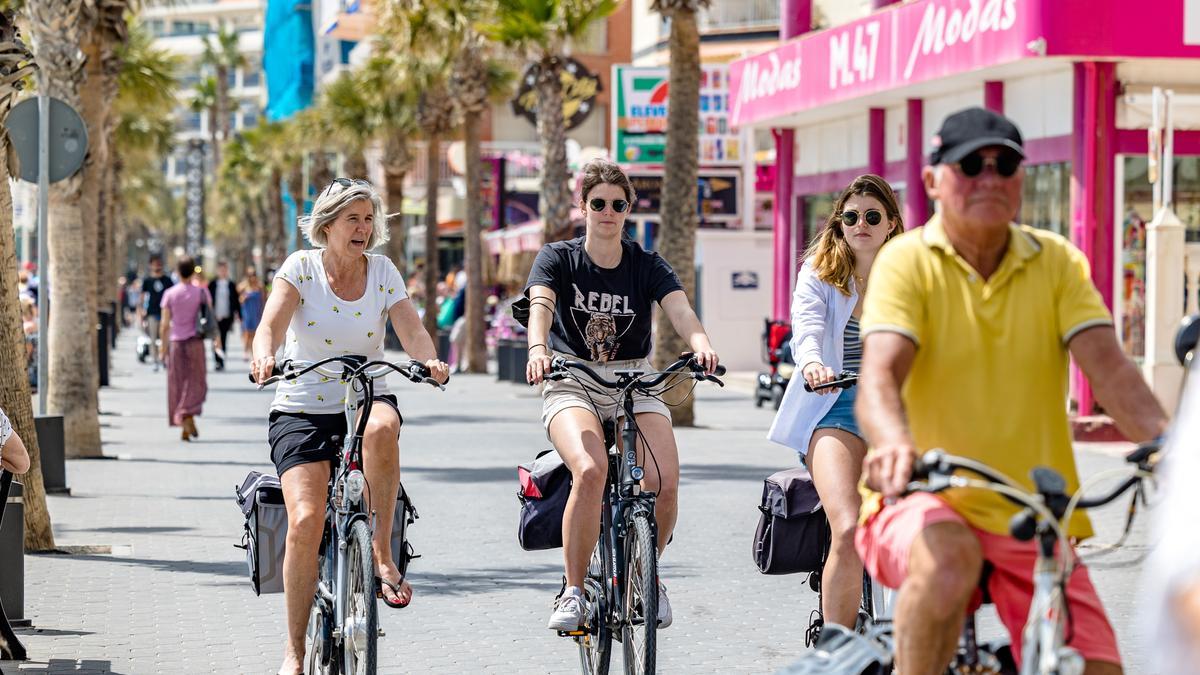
[[1075, 75]]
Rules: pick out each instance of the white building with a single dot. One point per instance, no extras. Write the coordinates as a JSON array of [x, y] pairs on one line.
[[182, 27]]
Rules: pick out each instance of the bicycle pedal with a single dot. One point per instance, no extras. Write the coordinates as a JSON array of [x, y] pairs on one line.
[[382, 633], [579, 632]]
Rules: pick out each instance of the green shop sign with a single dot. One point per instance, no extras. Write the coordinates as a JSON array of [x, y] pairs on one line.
[[640, 116]]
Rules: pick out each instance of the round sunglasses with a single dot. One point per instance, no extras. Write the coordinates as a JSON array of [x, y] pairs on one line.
[[872, 217], [618, 205], [1005, 164]]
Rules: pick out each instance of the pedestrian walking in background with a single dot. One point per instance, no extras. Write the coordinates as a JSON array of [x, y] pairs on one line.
[[29, 324], [821, 425], [227, 307], [153, 288], [250, 295], [183, 349]]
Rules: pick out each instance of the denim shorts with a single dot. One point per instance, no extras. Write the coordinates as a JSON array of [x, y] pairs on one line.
[[841, 415]]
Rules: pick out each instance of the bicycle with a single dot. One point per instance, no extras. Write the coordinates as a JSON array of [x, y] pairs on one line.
[[343, 627], [621, 587], [1044, 512], [874, 600]]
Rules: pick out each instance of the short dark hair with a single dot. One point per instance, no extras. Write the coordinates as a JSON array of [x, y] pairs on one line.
[[156, 259], [186, 267], [602, 172]]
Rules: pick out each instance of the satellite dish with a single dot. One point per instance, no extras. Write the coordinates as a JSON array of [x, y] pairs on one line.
[[68, 139]]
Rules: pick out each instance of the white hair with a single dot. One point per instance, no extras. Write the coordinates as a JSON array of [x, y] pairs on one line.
[[330, 204]]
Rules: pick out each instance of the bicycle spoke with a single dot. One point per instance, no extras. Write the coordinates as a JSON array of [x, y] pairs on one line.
[[640, 623]]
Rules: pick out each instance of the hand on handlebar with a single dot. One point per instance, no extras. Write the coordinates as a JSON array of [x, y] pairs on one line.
[[261, 369], [816, 374], [438, 370], [888, 468], [538, 367], [708, 360]]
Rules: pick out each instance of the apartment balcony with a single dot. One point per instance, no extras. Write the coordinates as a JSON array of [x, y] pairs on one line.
[[735, 16]]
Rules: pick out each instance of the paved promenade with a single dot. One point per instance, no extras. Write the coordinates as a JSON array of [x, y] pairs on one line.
[[173, 596]]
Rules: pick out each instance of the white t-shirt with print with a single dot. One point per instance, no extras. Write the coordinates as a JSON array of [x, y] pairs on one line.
[[325, 325]]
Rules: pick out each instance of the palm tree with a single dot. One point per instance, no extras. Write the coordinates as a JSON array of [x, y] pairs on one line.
[[16, 61], [541, 31], [221, 53], [388, 86], [677, 236], [147, 93], [59, 28], [346, 107], [204, 101]]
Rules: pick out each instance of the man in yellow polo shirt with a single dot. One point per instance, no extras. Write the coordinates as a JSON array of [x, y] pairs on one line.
[[968, 325]]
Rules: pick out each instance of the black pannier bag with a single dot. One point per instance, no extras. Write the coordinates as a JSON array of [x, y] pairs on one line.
[[793, 532], [545, 487], [261, 499]]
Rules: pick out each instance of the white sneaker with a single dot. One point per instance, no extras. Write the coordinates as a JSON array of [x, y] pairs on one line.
[[664, 607], [568, 611]]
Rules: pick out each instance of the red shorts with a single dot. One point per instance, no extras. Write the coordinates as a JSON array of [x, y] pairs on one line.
[[884, 540]]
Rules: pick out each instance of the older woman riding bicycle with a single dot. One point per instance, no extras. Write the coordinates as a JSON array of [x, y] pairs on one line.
[[335, 299]]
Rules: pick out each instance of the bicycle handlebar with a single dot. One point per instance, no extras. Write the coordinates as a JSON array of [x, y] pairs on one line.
[[846, 379], [560, 366], [414, 371]]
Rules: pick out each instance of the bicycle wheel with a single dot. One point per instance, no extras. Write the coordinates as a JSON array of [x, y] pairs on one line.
[[639, 627], [322, 658], [595, 647], [360, 625]]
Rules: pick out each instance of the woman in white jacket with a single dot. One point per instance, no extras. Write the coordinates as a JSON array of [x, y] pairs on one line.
[[821, 426]]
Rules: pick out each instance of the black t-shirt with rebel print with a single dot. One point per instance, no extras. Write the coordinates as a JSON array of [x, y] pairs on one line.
[[602, 314]]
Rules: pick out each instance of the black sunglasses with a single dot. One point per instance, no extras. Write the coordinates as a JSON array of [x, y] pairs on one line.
[[618, 205], [1006, 164], [872, 216], [345, 182]]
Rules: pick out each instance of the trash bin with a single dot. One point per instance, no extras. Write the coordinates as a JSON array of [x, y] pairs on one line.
[[103, 326], [443, 344], [12, 557], [503, 363]]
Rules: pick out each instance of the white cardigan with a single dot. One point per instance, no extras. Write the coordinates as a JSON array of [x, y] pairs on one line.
[[820, 313]]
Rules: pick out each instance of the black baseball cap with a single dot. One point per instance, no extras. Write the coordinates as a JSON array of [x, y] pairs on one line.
[[968, 130]]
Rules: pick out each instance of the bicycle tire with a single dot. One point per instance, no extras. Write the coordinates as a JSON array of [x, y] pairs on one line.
[[641, 596], [322, 657], [360, 625], [595, 648]]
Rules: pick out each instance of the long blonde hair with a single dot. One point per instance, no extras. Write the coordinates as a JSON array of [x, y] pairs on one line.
[[829, 254]]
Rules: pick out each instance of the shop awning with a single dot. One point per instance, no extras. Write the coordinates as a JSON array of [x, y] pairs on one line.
[[525, 237], [908, 49]]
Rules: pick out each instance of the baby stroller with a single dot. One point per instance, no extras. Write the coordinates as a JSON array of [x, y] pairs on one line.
[[777, 348]]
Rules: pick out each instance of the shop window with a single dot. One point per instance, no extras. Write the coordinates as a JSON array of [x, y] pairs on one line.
[[817, 209], [1139, 210], [1046, 197]]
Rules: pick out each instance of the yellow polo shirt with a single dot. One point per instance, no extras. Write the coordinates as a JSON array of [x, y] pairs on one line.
[[989, 380]]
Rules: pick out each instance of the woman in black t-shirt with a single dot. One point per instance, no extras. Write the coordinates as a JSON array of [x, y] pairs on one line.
[[591, 299]]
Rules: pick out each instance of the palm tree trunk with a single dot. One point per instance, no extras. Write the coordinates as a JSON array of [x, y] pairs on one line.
[[296, 190], [432, 182], [394, 176], [356, 165], [14, 385], [677, 238], [556, 190], [221, 110], [476, 346]]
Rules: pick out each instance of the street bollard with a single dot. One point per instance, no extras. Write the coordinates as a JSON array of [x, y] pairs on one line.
[[12, 558], [520, 359], [102, 348], [52, 450], [443, 344]]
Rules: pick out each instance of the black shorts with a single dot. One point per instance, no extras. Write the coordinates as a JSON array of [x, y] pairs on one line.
[[297, 438]]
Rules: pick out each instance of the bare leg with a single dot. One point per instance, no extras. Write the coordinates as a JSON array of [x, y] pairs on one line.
[[835, 458], [943, 572], [304, 491], [662, 472], [381, 464], [247, 344], [577, 436]]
